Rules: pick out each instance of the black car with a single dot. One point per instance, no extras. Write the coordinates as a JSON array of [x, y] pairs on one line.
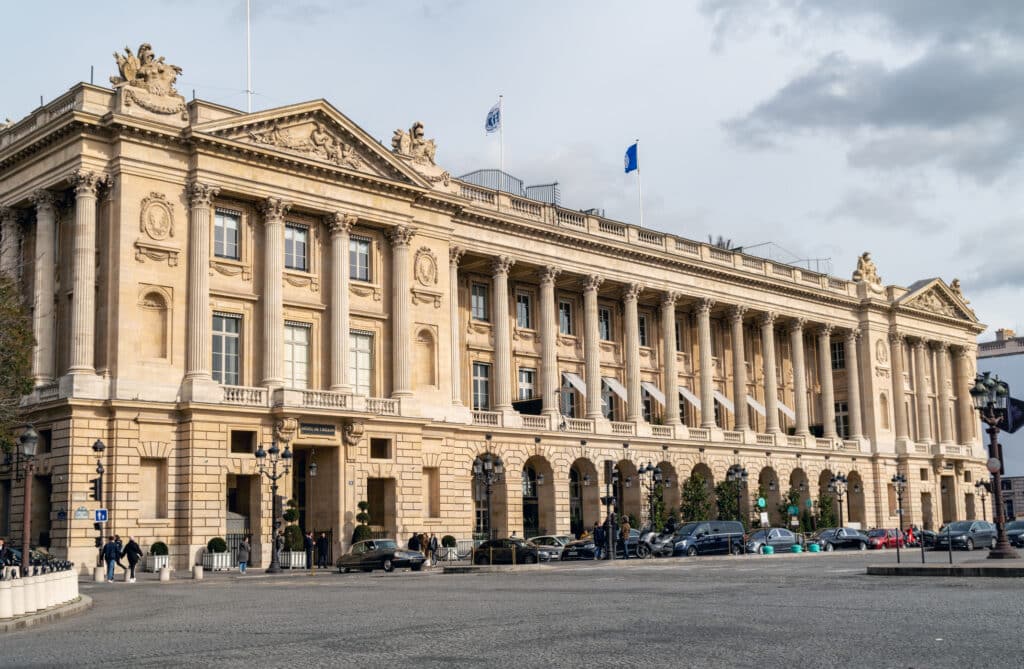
[[506, 551], [1015, 533], [584, 549], [709, 537], [379, 554], [966, 534], [779, 538], [841, 538]]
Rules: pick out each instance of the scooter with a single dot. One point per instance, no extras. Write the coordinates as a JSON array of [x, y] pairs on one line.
[[654, 544]]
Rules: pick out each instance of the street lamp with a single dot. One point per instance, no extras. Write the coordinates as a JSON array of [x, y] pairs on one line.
[[98, 447], [488, 469], [899, 483], [652, 476], [990, 395], [273, 456], [738, 475], [982, 488], [837, 486], [29, 441]]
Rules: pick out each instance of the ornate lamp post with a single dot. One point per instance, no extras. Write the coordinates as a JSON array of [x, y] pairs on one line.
[[837, 486], [899, 483], [982, 488], [738, 475], [990, 395], [276, 456], [488, 469], [29, 441], [650, 478]]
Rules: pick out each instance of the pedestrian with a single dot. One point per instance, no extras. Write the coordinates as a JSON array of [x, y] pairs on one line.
[[432, 546], [423, 543], [120, 551], [323, 547], [133, 552], [599, 541], [110, 555], [244, 551], [309, 545], [279, 545], [624, 537], [414, 542], [5, 558]]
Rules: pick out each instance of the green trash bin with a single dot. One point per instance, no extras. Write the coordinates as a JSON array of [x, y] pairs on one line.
[[814, 548], [767, 550]]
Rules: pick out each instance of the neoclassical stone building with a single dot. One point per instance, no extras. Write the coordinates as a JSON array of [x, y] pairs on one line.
[[205, 280]]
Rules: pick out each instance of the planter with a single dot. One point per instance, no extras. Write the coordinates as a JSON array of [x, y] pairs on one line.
[[155, 563], [217, 561], [293, 560]]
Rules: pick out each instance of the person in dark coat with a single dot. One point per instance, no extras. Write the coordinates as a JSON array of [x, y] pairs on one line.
[[110, 556], [323, 547], [414, 542], [120, 553], [432, 546], [309, 545], [133, 552], [244, 552], [600, 541]]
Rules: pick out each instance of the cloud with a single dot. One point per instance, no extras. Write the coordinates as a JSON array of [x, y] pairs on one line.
[[885, 206]]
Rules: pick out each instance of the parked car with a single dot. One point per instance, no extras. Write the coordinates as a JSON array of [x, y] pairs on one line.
[[779, 538], [709, 537], [966, 534], [841, 538], [506, 551], [882, 539], [1015, 533], [379, 554], [926, 538], [550, 545], [584, 549]]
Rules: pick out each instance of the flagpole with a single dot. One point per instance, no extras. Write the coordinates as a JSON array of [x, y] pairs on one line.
[[248, 61], [501, 136], [639, 184]]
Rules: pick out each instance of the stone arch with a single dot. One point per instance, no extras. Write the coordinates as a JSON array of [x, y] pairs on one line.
[[424, 371], [670, 488], [584, 496], [768, 481], [824, 479], [538, 490], [490, 512], [153, 333], [798, 481], [855, 507], [627, 491], [709, 483]]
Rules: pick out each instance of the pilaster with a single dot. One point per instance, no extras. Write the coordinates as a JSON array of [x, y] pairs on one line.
[[670, 381], [274, 210], [340, 226], [771, 380], [500, 267], [707, 395], [83, 298], [400, 238], [739, 369], [828, 396]]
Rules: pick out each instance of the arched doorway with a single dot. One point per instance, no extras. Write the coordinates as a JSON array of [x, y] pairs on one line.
[[584, 496], [704, 472], [538, 498], [670, 486], [824, 480], [490, 508], [627, 491], [768, 485], [798, 483], [855, 499]]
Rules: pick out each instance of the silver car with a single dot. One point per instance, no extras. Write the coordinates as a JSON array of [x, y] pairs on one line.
[[550, 545]]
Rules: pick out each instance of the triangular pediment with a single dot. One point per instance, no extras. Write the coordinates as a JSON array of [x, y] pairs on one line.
[[314, 131], [936, 297]]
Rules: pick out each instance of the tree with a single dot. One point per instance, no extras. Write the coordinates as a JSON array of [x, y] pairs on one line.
[[727, 498], [826, 511], [696, 504], [792, 498], [362, 531], [658, 517], [16, 344]]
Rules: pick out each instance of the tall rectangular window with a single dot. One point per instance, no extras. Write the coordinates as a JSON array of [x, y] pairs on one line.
[[527, 382], [296, 247], [838, 355], [565, 317], [604, 324], [359, 259], [479, 307], [226, 344], [524, 313], [481, 386], [607, 402], [842, 419], [226, 226], [432, 492], [642, 330], [296, 355], [152, 488], [679, 337], [360, 362], [567, 400]]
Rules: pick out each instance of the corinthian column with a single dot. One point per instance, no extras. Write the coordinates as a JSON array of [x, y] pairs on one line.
[[707, 395], [340, 225], [9, 241], [591, 347], [924, 428], [454, 256], [502, 335], [83, 281], [771, 379], [401, 372], [670, 382], [968, 418], [200, 198], [548, 341], [635, 405], [941, 349], [796, 344], [43, 311], [853, 384], [739, 370], [274, 210], [828, 395], [899, 395]]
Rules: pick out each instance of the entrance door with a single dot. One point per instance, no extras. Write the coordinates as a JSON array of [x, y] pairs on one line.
[[531, 511], [575, 503]]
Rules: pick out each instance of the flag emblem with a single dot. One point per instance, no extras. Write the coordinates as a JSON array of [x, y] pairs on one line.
[[493, 122]]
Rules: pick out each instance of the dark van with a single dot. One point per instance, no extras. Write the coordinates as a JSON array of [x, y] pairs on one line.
[[709, 537]]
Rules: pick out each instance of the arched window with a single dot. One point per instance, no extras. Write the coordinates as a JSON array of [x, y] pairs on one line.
[[529, 482]]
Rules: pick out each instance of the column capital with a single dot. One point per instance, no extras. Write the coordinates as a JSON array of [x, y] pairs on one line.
[[548, 274], [87, 182], [43, 199], [965, 352], [592, 283], [939, 346], [919, 344], [8, 213], [796, 325], [737, 312], [274, 208], [200, 194], [400, 235], [825, 330], [455, 254], [896, 338], [768, 319], [340, 223], [632, 291], [852, 335], [704, 306], [501, 265], [669, 299]]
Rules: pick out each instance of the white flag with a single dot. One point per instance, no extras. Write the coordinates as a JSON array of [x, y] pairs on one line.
[[493, 122]]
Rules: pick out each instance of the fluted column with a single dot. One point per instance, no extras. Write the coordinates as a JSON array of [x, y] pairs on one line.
[[198, 333], [967, 415], [670, 382], [400, 238], [43, 311], [340, 226], [9, 242], [828, 395], [707, 395], [83, 277], [635, 403], [771, 379], [548, 317], [502, 334], [941, 349], [591, 346], [796, 344], [924, 429], [274, 210], [853, 384], [454, 257], [741, 420], [899, 395]]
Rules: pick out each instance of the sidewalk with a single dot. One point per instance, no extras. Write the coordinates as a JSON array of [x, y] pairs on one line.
[[984, 567]]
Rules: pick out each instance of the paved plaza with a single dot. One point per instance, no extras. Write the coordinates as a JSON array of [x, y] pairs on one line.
[[791, 610]]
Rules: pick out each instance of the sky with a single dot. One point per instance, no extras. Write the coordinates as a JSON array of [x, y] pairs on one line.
[[827, 127]]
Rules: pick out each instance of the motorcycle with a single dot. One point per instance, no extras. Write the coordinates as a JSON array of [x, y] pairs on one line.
[[655, 544]]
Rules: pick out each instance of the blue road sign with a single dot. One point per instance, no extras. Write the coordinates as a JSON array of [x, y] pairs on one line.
[[101, 515]]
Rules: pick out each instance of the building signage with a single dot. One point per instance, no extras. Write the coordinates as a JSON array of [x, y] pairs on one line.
[[81, 513], [317, 429]]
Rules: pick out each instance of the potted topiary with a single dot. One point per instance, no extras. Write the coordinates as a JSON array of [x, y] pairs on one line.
[[217, 557], [449, 548], [362, 531], [158, 557], [294, 555]]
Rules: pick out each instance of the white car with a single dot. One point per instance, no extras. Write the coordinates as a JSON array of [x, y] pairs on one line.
[[550, 545]]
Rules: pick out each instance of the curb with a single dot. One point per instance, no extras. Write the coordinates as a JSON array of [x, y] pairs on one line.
[[988, 571], [489, 569], [83, 603]]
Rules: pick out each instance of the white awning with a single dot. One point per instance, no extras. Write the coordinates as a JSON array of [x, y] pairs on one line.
[[758, 407], [790, 414], [576, 382], [724, 401], [654, 391], [688, 396], [616, 387]]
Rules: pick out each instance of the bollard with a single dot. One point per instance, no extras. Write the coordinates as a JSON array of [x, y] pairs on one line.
[[73, 576], [29, 589], [814, 548], [18, 596], [6, 610], [165, 573], [197, 572], [45, 594], [767, 550], [99, 574], [796, 548]]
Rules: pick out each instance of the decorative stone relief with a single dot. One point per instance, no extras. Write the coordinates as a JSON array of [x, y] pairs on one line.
[[413, 147], [366, 291], [425, 267], [934, 302], [148, 81], [156, 217], [285, 429], [867, 273], [426, 296], [955, 287], [232, 269], [310, 140], [352, 433], [156, 251], [881, 351], [302, 280]]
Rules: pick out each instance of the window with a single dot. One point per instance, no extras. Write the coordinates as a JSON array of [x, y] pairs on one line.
[[359, 259], [360, 362], [842, 419], [607, 402], [923, 473], [296, 355], [46, 442], [527, 379], [648, 409], [479, 307], [226, 340], [243, 441], [838, 355], [679, 337], [153, 488], [296, 247], [481, 386], [604, 324], [567, 399], [565, 317], [380, 448], [642, 330], [524, 314], [432, 492], [226, 226]]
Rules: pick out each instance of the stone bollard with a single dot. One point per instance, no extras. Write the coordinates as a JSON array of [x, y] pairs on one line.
[[45, 590], [99, 574], [18, 596], [29, 589], [165, 573], [197, 572], [73, 576], [6, 609], [40, 586]]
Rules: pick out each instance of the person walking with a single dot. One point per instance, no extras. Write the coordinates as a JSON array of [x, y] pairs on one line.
[[133, 552], [110, 556], [432, 546], [414, 542], [244, 551], [323, 547], [600, 539], [120, 553], [5, 558], [624, 529], [309, 545], [279, 545]]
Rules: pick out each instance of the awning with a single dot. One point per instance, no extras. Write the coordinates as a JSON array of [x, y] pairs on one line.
[[688, 396], [724, 401], [758, 407], [616, 387], [790, 414], [654, 391], [576, 382]]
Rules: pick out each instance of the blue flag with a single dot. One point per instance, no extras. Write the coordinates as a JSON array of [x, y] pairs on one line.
[[493, 122], [630, 160]]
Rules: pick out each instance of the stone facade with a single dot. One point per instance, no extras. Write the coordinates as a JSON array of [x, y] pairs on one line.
[[205, 280]]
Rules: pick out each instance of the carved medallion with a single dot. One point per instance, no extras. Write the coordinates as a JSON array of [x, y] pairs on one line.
[[425, 267], [881, 351], [157, 217]]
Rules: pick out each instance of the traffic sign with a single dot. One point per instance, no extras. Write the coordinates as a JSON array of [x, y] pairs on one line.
[[761, 503], [793, 509], [808, 503], [101, 515], [764, 519]]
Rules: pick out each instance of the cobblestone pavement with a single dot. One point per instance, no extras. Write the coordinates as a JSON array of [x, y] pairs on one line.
[[786, 610]]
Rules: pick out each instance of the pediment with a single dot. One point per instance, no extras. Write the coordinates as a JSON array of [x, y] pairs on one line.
[[936, 297], [314, 131]]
